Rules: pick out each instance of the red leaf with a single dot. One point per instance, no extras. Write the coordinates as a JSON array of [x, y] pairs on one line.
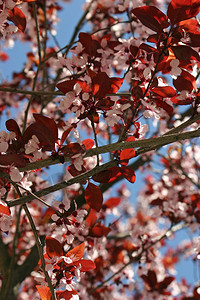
[[86, 265], [4, 209], [183, 52], [151, 17], [44, 135], [48, 123], [3, 56], [160, 103], [53, 247], [94, 117], [185, 81], [191, 25], [18, 18], [108, 175], [76, 253], [93, 196], [100, 230], [128, 173], [194, 39], [67, 295], [66, 86], [178, 101], [65, 135], [179, 10], [198, 205], [89, 44], [115, 83], [101, 84], [12, 159], [112, 202], [164, 284], [88, 143], [47, 215], [104, 104], [44, 292], [103, 177], [72, 148], [150, 279], [74, 172], [127, 154], [164, 91], [12, 125], [91, 218]]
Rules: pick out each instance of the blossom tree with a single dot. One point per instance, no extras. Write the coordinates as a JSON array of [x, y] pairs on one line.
[[119, 100]]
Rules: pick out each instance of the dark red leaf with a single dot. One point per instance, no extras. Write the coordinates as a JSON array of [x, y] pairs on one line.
[[104, 104], [53, 247], [18, 18], [164, 105], [179, 10], [74, 172], [13, 159], [194, 39], [89, 43], [183, 52], [44, 135], [151, 17], [164, 284], [65, 135], [48, 123], [101, 84], [164, 91], [185, 81], [66, 86], [72, 148], [93, 196], [12, 125], [128, 173], [108, 175], [103, 177], [150, 279]]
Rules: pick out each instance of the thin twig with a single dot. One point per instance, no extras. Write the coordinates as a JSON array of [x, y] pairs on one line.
[[42, 201]]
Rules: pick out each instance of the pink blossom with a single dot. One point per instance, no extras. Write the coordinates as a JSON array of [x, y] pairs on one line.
[[15, 174]]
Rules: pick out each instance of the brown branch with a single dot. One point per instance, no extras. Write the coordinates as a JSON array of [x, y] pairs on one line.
[[62, 184], [152, 143], [149, 144]]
